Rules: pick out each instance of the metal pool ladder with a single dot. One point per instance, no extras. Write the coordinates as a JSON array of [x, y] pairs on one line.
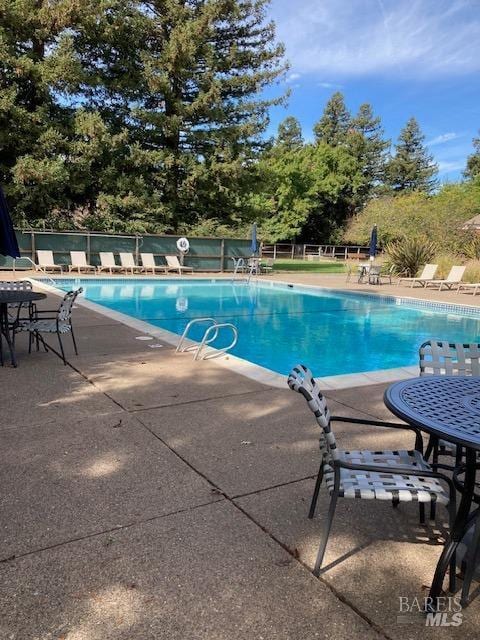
[[210, 335]]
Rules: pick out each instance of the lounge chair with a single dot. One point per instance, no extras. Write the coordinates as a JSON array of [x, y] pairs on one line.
[[469, 285], [79, 262], [46, 262], [128, 263], [148, 264], [427, 275], [173, 264], [393, 476], [454, 278], [107, 263]]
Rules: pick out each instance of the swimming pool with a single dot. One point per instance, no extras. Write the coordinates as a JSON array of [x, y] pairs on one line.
[[279, 325]]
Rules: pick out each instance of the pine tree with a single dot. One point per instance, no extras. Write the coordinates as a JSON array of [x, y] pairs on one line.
[[334, 125], [289, 134], [205, 63], [473, 161], [412, 168], [368, 146]]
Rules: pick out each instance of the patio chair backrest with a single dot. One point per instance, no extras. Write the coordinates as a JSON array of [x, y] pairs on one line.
[[456, 274], [147, 259], [428, 272], [78, 258], [439, 357], [65, 309], [45, 258], [172, 261], [126, 260], [302, 381], [107, 259], [15, 285]]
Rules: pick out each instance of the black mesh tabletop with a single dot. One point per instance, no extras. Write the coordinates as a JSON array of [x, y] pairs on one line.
[[446, 406], [19, 295]]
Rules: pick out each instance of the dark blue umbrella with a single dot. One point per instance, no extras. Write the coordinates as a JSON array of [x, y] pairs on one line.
[[8, 239], [253, 245], [373, 242]]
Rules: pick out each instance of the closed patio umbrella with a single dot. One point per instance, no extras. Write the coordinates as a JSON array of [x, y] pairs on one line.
[[373, 243], [8, 239], [253, 245]]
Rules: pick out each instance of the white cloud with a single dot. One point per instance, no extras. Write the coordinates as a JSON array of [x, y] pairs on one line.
[[292, 77], [408, 38], [444, 137], [328, 85]]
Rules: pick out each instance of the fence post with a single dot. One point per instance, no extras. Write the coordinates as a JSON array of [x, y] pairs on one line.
[[275, 251], [222, 255], [304, 251], [89, 255], [136, 249], [293, 251], [346, 253], [33, 245]]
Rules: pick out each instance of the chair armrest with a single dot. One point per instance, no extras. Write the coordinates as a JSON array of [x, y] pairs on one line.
[[47, 310], [379, 423]]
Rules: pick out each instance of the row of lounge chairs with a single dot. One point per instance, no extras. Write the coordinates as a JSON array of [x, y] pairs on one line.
[[78, 263], [453, 279]]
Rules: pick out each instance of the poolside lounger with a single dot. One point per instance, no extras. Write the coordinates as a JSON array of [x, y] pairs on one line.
[[427, 275], [173, 264], [107, 262], [469, 285], [454, 278], [46, 262], [128, 263], [148, 264], [79, 262]]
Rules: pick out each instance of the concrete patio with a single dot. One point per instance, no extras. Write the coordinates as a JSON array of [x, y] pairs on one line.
[[145, 496]]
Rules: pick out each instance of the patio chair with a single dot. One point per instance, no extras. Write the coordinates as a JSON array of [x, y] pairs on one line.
[[59, 321], [173, 264], [107, 263], [14, 308], [454, 278], [440, 357], [46, 262], [148, 264], [394, 476], [267, 266], [79, 262], [427, 275], [469, 285], [128, 263]]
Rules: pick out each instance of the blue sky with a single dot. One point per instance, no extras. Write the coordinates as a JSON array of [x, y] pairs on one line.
[[405, 57]]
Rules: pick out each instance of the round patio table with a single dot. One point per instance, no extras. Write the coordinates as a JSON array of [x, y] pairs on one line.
[[448, 407], [11, 296]]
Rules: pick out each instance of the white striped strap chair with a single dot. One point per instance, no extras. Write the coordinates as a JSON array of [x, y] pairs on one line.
[[396, 476]]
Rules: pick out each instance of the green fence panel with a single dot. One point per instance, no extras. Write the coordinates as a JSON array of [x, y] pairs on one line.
[[209, 254]]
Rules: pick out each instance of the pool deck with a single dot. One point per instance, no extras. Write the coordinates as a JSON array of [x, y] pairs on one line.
[[145, 496]]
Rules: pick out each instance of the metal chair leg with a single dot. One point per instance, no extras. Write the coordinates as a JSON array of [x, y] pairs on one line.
[[73, 340], [316, 491], [421, 509], [326, 533], [471, 559], [61, 347], [30, 338]]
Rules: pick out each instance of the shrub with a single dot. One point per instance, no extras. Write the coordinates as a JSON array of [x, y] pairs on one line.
[[439, 217], [409, 254], [472, 272]]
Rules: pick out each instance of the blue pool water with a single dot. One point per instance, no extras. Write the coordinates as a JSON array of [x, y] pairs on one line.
[[333, 332]]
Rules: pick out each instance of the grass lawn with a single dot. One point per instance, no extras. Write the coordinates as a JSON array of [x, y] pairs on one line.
[[309, 267]]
